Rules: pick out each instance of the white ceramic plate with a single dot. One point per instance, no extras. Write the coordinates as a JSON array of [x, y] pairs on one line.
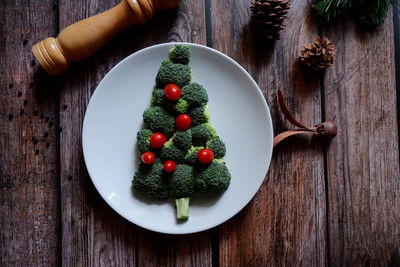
[[114, 115]]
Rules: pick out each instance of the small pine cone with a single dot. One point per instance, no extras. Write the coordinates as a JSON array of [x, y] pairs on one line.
[[318, 55], [267, 17]]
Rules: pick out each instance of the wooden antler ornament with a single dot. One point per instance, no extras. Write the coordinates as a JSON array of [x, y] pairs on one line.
[[327, 130], [85, 37]]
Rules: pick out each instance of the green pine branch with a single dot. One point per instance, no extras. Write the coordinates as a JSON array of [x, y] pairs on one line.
[[374, 12], [370, 12], [330, 9]]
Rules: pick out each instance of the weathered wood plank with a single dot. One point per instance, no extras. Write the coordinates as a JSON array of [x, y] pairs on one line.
[[285, 223], [363, 160], [93, 234], [29, 203]]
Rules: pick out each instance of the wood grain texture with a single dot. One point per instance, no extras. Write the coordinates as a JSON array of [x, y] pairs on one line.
[[93, 234], [29, 187], [363, 160], [346, 214], [286, 221]]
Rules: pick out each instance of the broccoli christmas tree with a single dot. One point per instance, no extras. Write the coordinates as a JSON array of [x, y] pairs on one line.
[[181, 153]]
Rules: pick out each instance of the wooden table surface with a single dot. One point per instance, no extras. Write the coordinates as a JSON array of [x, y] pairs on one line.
[[320, 204]]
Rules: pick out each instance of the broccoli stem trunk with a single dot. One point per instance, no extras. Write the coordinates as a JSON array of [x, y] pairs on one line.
[[182, 208]]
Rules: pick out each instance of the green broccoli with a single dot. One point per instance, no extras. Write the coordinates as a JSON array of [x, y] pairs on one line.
[[195, 94], [215, 178], [183, 140], [170, 72], [199, 115], [191, 155], [149, 179], [158, 98], [190, 175], [172, 152], [143, 140], [182, 186], [217, 146], [157, 119], [178, 107], [180, 54], [202, 133]]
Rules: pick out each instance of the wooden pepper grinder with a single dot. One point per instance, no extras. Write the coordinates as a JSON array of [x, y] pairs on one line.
[[85, 37]]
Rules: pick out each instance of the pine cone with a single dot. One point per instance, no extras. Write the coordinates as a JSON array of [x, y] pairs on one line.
[[318, 55], [267, 17]]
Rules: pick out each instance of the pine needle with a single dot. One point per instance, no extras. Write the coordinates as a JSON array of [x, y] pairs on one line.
[[370, 12]]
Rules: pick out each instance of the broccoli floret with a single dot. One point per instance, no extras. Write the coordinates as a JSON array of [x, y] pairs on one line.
[[202, 133], [143, 140], [183, 140], [217, 146], [182, 182], [219, 161], [169, 72], [148, 179], [157, 119], [191, 155], [195, 94], [199, 115], [180, 54], [182, 186], [179, 107], [158, 98], [169, 143], [214, 179], [172, 152]]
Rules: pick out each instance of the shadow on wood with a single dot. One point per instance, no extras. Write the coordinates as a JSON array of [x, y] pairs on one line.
[[261, 48], [304, 79], [43, 87]]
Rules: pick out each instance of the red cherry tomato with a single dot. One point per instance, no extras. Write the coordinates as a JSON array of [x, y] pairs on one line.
[[157, 140], [183, 122], [172, 92], [148, 158], [205, 156], [169, 166]]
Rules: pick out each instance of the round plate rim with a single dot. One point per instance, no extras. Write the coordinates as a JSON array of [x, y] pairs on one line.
[[268, 119]]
